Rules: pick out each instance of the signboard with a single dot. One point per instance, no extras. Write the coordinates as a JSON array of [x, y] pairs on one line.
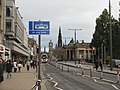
[[39, 27], [2, 49]]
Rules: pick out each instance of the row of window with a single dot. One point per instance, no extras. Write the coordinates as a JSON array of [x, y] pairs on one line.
[[9, 11], [9, 23]]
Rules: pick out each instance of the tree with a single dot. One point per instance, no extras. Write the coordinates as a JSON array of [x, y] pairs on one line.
[[116, 40], [101, 36]]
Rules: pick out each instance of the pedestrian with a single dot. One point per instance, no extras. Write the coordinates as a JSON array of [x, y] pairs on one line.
[[1, 70], [19, 66], [101, 65], [23, 63], [96, 65], [9, 68], [15, 65], [31, 63], [28, 65]]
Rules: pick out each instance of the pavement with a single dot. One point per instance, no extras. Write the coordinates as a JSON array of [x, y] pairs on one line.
[[84, 65], [23, 80]]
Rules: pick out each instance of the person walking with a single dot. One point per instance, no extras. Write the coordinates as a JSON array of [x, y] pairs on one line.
[[15, 65], [8, 68], [28, 65], [1, 70], [101, 65], [19, 66]]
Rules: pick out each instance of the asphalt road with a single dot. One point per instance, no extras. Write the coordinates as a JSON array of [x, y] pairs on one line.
[[70, 81]]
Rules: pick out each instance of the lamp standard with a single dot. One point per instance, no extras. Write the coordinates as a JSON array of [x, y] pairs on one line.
[[111, 64], [66, 38], [75, 43]]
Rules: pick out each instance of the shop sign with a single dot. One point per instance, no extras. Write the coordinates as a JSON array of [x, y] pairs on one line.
[[2, 49]]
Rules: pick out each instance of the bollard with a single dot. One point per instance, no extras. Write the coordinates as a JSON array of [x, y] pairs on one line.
[[68, 68], [90, 72], [56, 65], [62, 66], [118, 76], [82, 71], [101, 74]]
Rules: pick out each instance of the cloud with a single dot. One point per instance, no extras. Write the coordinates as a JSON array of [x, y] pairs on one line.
[[67, 14]]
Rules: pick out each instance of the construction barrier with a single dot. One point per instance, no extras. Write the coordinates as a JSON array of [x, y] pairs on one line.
[[90, 72]]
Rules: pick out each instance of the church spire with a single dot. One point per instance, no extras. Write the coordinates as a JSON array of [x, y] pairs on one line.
[[59, 38]]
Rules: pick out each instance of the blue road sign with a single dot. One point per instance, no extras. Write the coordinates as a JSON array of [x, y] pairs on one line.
[[39, 27]]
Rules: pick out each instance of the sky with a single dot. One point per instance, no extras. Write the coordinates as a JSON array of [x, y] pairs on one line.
[[67, 14]]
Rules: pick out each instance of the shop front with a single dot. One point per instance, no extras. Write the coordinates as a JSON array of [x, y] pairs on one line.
[[5, 52]]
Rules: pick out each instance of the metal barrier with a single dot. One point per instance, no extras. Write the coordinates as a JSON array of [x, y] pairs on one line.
[[37, 86]]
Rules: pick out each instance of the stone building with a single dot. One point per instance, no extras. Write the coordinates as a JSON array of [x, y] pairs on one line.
[[15, 34], [67, 52], [2, 4], [50, 49], [59, 38], [83, 51], [4, 51]]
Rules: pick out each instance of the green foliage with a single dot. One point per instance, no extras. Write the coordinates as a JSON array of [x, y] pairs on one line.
[[102, 34]]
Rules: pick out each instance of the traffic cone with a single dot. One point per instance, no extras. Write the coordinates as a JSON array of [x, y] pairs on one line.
[[90, 72]]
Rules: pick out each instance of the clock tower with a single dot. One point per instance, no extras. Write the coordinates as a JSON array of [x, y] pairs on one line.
[[50, 49]]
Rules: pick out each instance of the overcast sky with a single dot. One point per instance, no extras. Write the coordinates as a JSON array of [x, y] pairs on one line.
[[78, 14]]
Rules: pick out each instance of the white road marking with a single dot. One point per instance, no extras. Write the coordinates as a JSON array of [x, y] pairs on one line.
[[51, 78], [107, 84], [115, 87], [55, 83], [95, 80], [109, 80]]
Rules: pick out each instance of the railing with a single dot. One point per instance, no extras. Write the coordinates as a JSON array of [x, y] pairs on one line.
[[86, 71], [37, 86]]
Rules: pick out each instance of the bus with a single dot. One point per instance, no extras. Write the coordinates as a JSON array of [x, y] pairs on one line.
[[44, 58]]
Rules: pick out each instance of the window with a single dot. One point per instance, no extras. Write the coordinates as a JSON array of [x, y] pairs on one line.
[[8, 26], [8, 11]]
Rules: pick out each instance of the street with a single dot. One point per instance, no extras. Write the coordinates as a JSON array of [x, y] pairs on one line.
[[70, 81]]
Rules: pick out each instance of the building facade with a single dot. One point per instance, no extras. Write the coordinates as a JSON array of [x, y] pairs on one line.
[[4, 51], [15, 36], [50, 49], [67, 52], [59, 38], [83, 51]]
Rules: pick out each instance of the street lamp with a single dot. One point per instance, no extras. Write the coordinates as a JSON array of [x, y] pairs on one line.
[[66, 38], [111, 64], [75, 43]]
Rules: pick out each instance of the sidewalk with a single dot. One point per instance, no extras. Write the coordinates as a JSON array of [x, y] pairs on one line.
[[88, 66], [23, 80]]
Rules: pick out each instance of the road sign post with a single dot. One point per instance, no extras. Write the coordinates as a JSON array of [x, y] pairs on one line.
[[39, 28]]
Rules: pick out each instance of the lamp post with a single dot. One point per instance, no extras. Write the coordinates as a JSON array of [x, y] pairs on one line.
[[111, 64], [75, 43], [66, 38], [39, 61], [65, 53]]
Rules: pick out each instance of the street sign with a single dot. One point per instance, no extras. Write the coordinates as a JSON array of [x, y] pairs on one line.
[[39, 27]]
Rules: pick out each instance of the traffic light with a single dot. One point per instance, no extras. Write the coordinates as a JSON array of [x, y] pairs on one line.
[[37, 49]]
